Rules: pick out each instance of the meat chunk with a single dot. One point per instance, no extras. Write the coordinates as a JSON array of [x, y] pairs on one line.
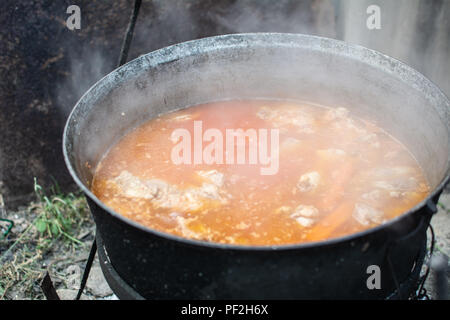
[[305, 211], [309, 181], [304, 222], [214, 176], [366, 214], [134, 187], [304, 215], [288, 116], [207, 190], [164, 195], [396, 181]]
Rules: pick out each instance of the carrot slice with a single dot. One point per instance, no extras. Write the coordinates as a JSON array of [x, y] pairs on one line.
[[325, 228], [334, 193]]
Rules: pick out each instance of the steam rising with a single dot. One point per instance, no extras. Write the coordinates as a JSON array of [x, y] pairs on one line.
[[404, 35], [87, 68], [309, 17], [414, 31]]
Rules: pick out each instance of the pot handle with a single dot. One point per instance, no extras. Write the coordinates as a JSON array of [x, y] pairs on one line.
[[430, 210], [424, 221], [431, 207]]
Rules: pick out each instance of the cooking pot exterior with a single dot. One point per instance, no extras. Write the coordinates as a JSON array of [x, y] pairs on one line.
[[159, 268], [276, 66]]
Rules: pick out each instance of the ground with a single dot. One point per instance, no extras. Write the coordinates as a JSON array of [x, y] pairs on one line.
[[54, 234], [51, 234]]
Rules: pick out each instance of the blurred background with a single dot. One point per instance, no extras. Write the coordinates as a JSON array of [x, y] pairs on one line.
[[45, 67]]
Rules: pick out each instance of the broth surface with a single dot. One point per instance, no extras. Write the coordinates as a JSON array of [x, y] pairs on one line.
[[337, 175]]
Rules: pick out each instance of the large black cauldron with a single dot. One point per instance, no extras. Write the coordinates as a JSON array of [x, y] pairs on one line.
[[324, 71]]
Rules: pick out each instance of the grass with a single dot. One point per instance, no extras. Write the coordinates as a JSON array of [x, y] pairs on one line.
[[443, 207], [59, 214], [54, 224]]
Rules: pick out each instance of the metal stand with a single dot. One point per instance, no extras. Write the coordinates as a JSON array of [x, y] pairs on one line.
[[120, 288], [122, 59], [47, 285]]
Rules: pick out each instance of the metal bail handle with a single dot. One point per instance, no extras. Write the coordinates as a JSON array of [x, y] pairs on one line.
[[431, 207], [122, 59], [47, 285], [430, 210], [424, 220]]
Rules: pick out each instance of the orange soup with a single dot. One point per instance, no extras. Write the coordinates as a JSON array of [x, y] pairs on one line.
[[296, 173]]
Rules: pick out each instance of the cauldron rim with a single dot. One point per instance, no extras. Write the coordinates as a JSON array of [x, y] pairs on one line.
[[172, 53]]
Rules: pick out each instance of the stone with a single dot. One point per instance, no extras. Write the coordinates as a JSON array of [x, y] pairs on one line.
[[70, 294], [97, 284]]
